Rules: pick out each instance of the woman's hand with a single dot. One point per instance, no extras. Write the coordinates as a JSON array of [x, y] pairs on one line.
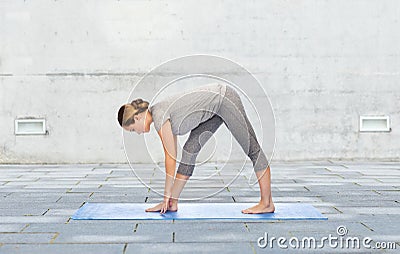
[[165, 205], [161, 207]]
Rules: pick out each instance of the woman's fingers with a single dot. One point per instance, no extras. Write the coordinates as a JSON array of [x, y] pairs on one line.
[[164, 207]]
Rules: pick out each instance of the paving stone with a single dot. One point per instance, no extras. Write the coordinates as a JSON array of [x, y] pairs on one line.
[[369, 210], [211, 232], [45, 196], [63, 248], [97, 237], [39, 205], [121, 231], [23, 211], [32, 219], [116, 198], [23, 190], [35, 196], [305, 193], [100, 226], [89, 190], [362, 203], [60, 212], [194, 248], [383, 226], [325, 209], [26, 237], [11, 227], [386, 237], [72, 197]]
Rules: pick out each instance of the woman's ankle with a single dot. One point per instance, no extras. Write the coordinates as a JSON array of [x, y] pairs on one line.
[[173, 201], [266, 202]]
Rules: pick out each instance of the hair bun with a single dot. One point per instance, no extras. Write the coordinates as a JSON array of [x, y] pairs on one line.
[[136, 102]]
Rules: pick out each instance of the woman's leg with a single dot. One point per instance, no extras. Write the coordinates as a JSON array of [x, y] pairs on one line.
[[234, 116], [196, 140]]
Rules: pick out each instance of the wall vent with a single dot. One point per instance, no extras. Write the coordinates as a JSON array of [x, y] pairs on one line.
[[374, 124], [30, 126]]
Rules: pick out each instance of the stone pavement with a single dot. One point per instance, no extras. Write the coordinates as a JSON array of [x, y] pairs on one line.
[[37, 202]]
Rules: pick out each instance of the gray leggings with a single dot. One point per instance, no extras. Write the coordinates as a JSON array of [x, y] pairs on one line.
[[233, 114]]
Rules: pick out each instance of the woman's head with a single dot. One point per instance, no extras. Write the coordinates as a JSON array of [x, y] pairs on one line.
[[135, 116]]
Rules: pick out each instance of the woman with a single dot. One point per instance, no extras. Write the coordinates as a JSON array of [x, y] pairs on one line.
[[200, 111]]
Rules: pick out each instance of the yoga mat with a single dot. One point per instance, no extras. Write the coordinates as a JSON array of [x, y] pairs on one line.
[[195, 211]]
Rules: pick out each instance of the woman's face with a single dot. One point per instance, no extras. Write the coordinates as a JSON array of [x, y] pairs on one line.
[[139, 126]]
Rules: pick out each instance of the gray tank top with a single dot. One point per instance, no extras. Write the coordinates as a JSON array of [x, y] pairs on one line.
[[187, 110]]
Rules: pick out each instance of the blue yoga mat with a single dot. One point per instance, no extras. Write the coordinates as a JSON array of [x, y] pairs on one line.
[[195, 211]]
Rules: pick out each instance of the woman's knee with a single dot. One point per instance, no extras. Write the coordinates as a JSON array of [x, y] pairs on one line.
[[183, 176], [191, 147], [185, 170]]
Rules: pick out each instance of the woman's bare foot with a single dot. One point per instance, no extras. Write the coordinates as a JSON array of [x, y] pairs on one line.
[[156, 208], [261, 207], [173, 207]]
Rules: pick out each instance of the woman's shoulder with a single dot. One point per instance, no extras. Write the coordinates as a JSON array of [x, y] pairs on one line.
[[155, 108], [159, 114]]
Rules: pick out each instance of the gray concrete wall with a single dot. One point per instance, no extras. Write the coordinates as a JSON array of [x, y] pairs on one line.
[[323, 64]]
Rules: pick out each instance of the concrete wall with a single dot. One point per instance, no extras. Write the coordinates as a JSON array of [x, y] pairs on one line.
[[323, 63]]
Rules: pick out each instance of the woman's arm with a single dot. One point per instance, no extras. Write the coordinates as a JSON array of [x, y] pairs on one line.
[[170, 150]]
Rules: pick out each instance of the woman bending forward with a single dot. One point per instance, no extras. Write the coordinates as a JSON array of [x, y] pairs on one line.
[[201, 111]]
